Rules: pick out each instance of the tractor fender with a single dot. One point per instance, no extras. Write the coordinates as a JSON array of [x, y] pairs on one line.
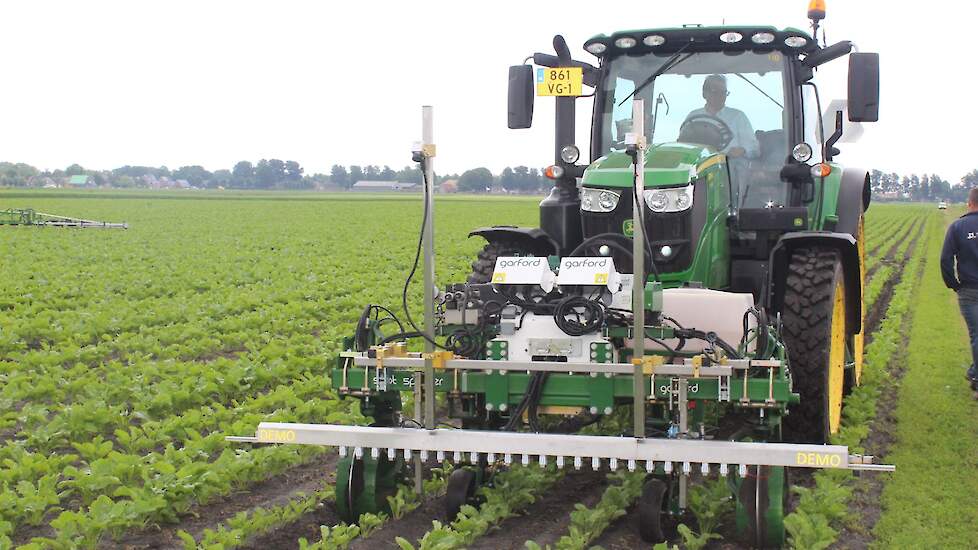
[[531, 237], [848, 250], [854, 196]]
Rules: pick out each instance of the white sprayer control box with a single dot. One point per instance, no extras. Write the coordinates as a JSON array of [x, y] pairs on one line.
[[517, 270], [588, 271]]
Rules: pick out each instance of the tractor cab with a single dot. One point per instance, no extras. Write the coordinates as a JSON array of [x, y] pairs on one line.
[[724, 113], [737, 158], [729, 104]]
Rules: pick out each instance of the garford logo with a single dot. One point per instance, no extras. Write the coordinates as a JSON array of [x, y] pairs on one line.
[[585, 262], [521, 262]]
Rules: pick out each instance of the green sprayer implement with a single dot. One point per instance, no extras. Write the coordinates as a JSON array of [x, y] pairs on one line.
[[31, 217], [699, 277]]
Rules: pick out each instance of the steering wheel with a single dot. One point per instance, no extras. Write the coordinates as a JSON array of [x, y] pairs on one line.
[[706, 129]]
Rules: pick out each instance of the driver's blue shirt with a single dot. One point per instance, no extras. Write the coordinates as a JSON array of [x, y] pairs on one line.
[[743, 132]]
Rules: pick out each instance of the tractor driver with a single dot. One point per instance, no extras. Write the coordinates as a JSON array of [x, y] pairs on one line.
[[744, 143], [743, 146]]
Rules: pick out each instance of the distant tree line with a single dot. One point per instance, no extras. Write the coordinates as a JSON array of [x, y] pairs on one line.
[[271, 174], [893, 186], [289, 174]]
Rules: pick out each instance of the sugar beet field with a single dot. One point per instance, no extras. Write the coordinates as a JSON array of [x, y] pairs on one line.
[[126, 357]]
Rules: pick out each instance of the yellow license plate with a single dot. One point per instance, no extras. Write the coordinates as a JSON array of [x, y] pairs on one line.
[[560, 81]]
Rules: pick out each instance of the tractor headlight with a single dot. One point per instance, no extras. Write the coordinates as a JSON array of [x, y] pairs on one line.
[[802, 152], [762, 38], [731, 37], [675, 199], [598, 200], [595, 48], [683, 201], [795, 41], [570, 154], [654, 40], [625, 42], [656, 200]]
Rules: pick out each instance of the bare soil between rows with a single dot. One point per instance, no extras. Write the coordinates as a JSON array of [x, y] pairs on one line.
[[275, 491], [891, 251], [546, 520]]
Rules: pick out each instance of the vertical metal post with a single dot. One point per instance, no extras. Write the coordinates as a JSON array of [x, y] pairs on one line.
[[638, 269], [418, 467], [428, 233], [427, 116], [564, 127]]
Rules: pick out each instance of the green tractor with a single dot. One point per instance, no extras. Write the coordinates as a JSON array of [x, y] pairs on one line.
[[760, 207], [703, 273]]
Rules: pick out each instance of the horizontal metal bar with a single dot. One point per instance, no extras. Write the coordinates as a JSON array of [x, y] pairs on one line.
[[613, 449], [873, 467], [241, 439], [548, 366]]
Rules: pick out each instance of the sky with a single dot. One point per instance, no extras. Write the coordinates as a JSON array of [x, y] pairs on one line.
[[109, 83]]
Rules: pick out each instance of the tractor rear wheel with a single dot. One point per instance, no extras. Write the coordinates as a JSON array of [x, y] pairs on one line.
[[814, 320], [485, 264]]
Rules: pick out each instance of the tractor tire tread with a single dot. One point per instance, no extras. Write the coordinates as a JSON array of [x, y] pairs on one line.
[[485, 263], [807, 317]]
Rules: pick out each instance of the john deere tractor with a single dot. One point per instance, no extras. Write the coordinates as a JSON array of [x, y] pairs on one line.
[[702, 273], [769, 213]]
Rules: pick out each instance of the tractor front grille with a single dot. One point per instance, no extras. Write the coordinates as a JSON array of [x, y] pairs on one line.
[[678, 230]]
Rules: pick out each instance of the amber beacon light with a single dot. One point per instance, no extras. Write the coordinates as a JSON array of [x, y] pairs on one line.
[[816, 10]]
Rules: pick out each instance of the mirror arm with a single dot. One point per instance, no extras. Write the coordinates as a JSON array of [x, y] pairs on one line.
[[830, 151]]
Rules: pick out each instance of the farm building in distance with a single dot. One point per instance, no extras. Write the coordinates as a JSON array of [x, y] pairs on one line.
[[385, 186], [81, 182]]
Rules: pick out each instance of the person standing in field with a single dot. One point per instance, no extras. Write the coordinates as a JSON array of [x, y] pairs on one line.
[[961, 251]]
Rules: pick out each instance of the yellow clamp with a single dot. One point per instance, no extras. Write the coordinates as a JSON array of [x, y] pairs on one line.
[[648, 363], [399, 349], [379, 353], [697, 363], [439, 358], [428, 149]]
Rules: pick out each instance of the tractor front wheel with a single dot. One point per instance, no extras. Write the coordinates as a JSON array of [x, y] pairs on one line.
[[814, 320], [485, 264]]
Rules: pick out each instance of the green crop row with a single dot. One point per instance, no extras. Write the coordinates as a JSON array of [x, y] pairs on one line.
[[814, 522], [929, 500], [885, 272], [881, 232], [511, 492], [910, 227]]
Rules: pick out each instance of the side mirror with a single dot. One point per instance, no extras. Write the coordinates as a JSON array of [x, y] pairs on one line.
[[520, 113], [864, 87]]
